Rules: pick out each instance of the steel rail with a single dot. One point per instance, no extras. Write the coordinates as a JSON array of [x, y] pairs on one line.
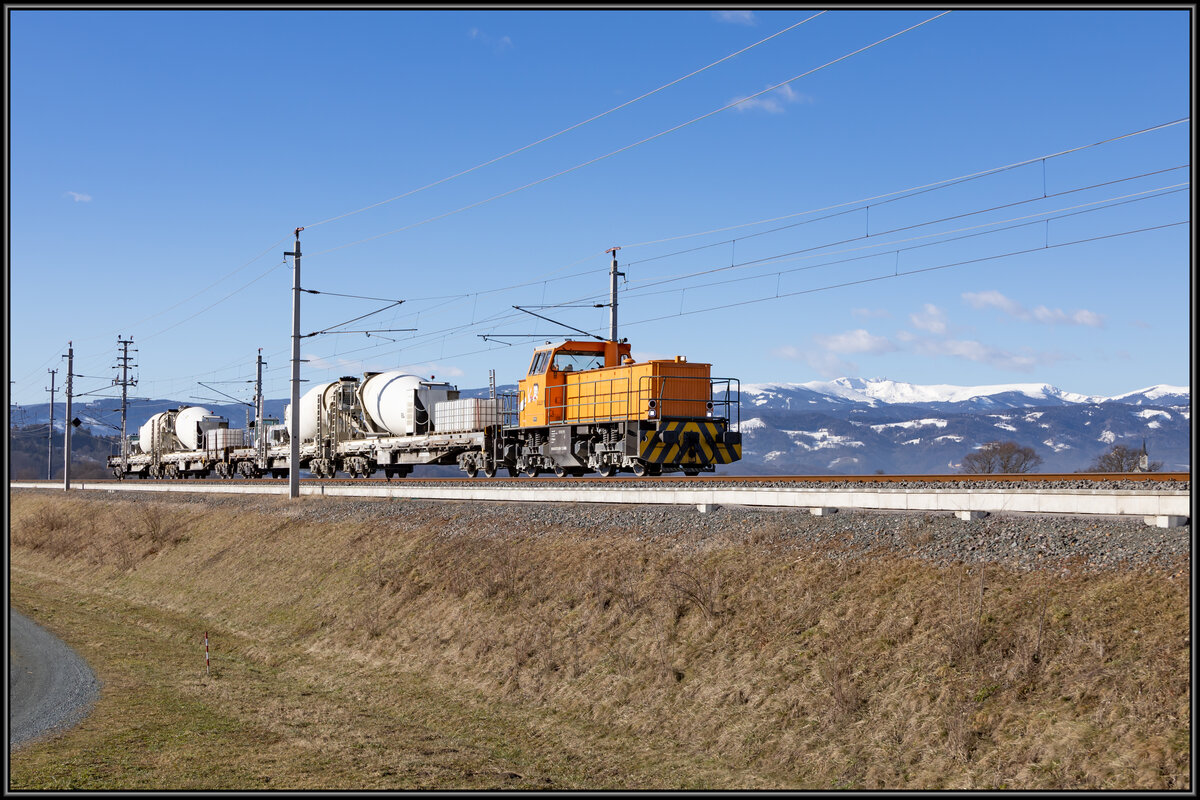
[[994, 477]]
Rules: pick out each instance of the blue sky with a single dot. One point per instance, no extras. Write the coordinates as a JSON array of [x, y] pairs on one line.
[[160, 160]]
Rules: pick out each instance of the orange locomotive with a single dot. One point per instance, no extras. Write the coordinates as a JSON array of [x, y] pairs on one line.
[[586, 406]]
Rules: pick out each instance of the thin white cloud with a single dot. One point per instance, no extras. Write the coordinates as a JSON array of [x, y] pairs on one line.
[[78, 196], [345, 365], [497, 45], [772, 102], [930, 319], [1041, 314], [856, 341], [980, 353], [993, 299], [824, 362], [736, 17], [433, 370]]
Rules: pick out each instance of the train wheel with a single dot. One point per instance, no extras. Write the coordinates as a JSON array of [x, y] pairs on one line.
[[513, 472], [691, 473], [489, 472], [607, 470], [472, 470], [532, 471], [639, 469], [559, 472]]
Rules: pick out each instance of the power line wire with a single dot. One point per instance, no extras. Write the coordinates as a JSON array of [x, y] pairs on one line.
[[630, 146], [916, 189], [568, 129]]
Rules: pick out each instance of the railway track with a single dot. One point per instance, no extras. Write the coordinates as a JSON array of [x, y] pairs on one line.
[[1016, 479]]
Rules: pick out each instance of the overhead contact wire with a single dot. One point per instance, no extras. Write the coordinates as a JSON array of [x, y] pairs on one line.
[[916, 189], [633, 145], [565, 130]]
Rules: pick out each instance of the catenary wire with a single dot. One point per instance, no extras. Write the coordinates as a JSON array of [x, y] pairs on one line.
[[565, 130], [1074, 210], [891, 195], [568, 170]]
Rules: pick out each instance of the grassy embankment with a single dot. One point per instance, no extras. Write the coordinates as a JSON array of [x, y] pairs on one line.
[[383, 654]]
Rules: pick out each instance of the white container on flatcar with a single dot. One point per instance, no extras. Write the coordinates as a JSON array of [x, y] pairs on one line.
[[219, 438], [470, 414]]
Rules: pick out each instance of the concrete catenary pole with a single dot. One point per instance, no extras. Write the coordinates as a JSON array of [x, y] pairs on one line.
[[50, 435], [67, 419], [294, 428], [258, 404], [612, 301]]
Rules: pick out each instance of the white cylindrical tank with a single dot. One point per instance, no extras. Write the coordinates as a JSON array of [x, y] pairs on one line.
[[186, 427], [310, 405], [147, 433], [387, 398]]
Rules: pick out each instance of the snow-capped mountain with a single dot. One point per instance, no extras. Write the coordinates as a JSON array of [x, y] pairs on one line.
[[856, 425], [881, 391]]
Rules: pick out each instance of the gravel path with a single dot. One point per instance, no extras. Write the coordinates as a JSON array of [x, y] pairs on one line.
[[1017, 541], [50, 687]]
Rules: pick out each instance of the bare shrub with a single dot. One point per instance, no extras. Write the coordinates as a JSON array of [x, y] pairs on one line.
[[371, 620], [154, 523], [125, 555], [958, 733], [700, 588], [836, 675], [49, 519], [963, 630]]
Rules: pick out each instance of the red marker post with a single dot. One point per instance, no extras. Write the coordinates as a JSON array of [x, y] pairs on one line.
[[206, 652]]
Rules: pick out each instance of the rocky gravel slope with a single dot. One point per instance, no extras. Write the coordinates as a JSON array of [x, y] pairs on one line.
[[1016, 541]]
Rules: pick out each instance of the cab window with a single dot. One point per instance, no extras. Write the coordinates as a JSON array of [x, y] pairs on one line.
[[577, 361], [540, 360]]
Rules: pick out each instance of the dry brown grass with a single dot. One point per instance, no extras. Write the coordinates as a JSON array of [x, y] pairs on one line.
[[727, 663]]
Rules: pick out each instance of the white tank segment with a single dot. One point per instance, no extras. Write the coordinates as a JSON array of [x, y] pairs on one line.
[[146, 433], [388, 399], [188, 428], [191, 423], [310, 407], [403, 404]]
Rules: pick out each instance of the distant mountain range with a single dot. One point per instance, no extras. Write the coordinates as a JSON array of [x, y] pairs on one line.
[[863, 426], [856, 425]]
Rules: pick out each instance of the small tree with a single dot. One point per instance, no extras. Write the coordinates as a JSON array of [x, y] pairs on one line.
[[1003, 457], [1123, 459]]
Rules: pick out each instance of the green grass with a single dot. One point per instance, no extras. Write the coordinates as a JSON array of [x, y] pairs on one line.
[[387, 653]]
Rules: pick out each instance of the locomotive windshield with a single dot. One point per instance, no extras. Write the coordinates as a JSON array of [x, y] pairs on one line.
[[568, 360], [540, 359]]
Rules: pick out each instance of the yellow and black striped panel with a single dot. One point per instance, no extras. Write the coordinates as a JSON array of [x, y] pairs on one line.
[[688, 442]]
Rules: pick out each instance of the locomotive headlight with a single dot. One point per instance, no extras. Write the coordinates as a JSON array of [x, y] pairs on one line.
[[653, 409], [708, 408]]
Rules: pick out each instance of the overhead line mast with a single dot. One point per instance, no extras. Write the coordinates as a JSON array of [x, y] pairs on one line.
[[124, 383], [612, 357], [294, 428], [67, 422]]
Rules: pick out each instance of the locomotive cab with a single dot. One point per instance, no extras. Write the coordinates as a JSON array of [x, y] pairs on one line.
[[542, 391], [588, 406]]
